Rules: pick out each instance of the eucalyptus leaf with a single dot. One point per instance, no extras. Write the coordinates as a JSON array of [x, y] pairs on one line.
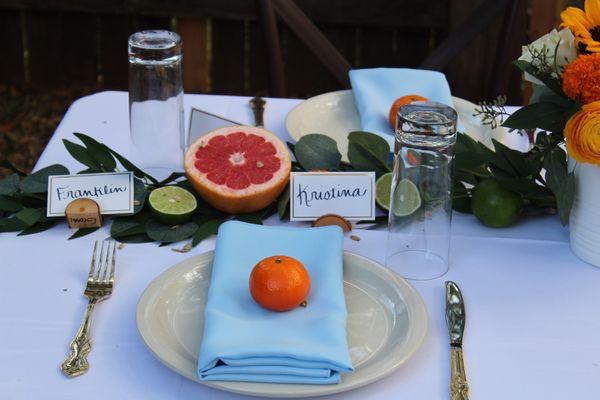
[[560, 181], [469, 153], [173, 177], [29, 216], [317, 152], [129, 166], [528, 189], [549, 81], [38, 181], [251, 218], [139, 195], [292, 148], [12, 224], [33, 200], [9, 185], [82, 155], [514, 158], [140, 238], [368, 152], [169, 234], [546, 115], [283, 202], [377, 146], [461, 198], [129, 225], [81, 232], [206, 229], [9, 204], [99, 151], [38, 227]]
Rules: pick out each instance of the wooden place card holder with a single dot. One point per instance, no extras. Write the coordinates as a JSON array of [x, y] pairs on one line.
[[83, 213]]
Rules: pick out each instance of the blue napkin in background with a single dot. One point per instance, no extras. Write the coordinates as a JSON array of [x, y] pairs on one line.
[[376, 89], [244, 342]]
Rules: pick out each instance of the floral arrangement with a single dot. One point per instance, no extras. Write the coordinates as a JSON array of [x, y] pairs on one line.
[[564, 68]]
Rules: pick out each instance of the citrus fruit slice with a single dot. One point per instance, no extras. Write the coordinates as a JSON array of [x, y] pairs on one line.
[[238, 169], [172, 205], [494, 205], [279, 283], [402, 101], [407, 199], [383, 189]]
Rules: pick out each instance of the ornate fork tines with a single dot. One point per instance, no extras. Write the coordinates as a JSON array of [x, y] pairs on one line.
[[96, 290]]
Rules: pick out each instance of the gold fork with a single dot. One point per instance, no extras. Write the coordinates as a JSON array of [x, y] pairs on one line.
[[99, 287]]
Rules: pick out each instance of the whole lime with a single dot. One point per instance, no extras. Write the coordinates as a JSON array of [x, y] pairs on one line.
[[494, 205]]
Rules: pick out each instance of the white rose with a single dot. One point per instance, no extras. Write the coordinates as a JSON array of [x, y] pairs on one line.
[[566, 52]]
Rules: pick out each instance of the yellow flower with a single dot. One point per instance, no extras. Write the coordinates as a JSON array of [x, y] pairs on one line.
[[585, 25], [582, 134]]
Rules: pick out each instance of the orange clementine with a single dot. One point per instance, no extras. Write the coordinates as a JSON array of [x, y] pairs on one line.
[[279, 283], [402, 101]]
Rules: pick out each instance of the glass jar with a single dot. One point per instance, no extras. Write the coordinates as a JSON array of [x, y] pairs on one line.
[[421, 195]]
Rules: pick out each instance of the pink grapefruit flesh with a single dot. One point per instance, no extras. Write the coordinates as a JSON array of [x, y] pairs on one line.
[[238, 169]]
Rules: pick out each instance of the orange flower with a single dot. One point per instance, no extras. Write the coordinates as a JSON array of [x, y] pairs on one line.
[[581, 79], [585, 25], [582, 134]]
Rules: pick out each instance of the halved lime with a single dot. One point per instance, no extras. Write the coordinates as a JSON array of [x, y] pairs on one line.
[[407, 199], [383, 188], [172, 205]]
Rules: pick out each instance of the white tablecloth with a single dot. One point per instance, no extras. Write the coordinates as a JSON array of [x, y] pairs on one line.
[[533, 308]]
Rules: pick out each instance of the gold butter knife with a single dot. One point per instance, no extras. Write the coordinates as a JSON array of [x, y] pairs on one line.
[[257, 104], [456, 319]]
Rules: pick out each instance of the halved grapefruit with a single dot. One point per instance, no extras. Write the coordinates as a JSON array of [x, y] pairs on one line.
[[238, 169]]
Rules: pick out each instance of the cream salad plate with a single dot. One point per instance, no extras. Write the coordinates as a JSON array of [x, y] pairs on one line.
[[334, 114], [387, 323]]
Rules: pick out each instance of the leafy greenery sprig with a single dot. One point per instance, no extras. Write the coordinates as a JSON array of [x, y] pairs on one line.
[[23, 197]]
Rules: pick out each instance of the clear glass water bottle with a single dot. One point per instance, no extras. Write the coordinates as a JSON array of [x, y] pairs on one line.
[[421, 196], [156, 100]]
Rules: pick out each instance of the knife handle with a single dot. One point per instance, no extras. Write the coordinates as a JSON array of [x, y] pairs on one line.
[[459, 389], [258, 108]]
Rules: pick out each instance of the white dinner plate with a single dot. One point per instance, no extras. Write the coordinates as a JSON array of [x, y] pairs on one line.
[[387, 323], [334, 114]]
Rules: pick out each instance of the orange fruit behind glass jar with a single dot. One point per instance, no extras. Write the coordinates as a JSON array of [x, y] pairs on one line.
[[402, 101]]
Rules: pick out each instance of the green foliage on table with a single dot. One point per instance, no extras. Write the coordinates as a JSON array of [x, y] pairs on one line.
[[541, 175], [518, 172], [23, 197]]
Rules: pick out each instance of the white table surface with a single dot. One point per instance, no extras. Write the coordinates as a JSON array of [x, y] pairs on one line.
[[533, 308]]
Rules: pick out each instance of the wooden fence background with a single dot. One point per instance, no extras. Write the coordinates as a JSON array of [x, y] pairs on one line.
[[62, 43]]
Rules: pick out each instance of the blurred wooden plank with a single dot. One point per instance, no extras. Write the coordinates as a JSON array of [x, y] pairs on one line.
[[406, 13], [11, 67], [314, 39], [142, 22], [304, 73], [471, 68], [545, 15], [227, 69], [114, 32], [195, 60], [385, 47], [476, 22], [78, 48], [274, 59], [258, 62], [46, 65]]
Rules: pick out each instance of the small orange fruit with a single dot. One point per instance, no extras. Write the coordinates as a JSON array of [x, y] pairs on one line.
[[279, 283], [402, 101]]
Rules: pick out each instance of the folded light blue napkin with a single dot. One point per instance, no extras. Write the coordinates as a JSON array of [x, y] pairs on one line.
[[244, 342], [376, 89]]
